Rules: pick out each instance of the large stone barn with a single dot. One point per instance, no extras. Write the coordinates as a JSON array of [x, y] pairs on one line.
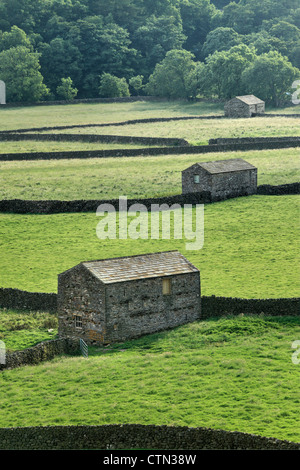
[[244, 107], [223, 178], [113, 300]]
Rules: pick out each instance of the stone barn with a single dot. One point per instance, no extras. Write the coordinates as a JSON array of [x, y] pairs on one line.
[[223, 179], [113, 300], [244, 107]]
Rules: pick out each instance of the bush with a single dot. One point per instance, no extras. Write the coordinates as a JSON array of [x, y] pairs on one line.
[[112, 86], [66, 90]]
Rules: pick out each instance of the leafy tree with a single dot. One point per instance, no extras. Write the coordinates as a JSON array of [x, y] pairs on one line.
[[13, 38], [20, 70], [224, 69], [220, 39], [60, 58], [112, 86], [172, 76], [155, 38], [270, 77], [136, 83], [66, 91], [197, 20]]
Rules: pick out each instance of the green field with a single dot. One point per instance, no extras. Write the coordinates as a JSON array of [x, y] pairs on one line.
[[232, 374], [24, 329], [229, 373], [95, 113], [198, 132], [112, 177], [251, 247]]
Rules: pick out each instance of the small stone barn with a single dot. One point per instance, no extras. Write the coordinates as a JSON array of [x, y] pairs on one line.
[[223, 179], [113, 300], [244, 107]]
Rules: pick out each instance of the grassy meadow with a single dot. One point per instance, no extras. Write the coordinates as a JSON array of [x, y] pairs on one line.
[[234, 374], [198, 132], [99, 113], [97, 178], [228, 373], [24, 329]]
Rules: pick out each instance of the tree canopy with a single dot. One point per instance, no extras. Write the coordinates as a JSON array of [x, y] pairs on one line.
[[205, 42]]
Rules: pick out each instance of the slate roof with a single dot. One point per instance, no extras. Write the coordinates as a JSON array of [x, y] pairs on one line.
[[225, 166], [250, 99], [130, 268]]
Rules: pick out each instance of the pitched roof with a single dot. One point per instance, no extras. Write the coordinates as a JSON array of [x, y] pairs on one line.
[[250, 99], [130, 268], [225, 166]]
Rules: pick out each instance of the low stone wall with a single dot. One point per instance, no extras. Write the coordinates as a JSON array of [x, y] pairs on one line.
[[281, 189], [242, 140], [212, 306], [134, 436], [22, 300], [150, 151], [20, 206], [44, 351], [221, 306], [93, 138], [125, 99]]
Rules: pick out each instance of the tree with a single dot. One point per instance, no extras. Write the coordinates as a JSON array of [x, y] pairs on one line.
[[224, 69], [60, 58], [270, 77], [197, 20], [66, 91], [220, 39], [20, 70], [13, 38], [136, 83], [172, 76], [155, 38], [112, 86]]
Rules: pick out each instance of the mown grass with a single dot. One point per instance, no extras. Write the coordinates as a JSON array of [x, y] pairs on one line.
[[40, 146], [198, 132], [251, 247], [112, 177], [98, 113], [229, 373], [24, 329]]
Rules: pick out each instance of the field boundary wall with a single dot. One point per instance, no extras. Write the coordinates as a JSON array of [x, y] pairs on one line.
[[44, 351], [151, 151], [212, 306], [22, 206], [8, 137], [135, 436]]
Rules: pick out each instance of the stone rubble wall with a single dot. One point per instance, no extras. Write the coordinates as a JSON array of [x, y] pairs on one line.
[[135, 436]]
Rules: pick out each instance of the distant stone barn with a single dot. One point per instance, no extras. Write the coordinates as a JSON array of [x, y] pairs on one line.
[[113, 300], [223, 178], [244, 107]]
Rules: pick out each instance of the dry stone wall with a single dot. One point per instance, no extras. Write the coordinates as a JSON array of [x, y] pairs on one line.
[[44, 351], [135, 436]]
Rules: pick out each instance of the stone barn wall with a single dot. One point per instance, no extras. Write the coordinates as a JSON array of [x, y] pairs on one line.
[[139, 307], [80, 294], [232, 184]]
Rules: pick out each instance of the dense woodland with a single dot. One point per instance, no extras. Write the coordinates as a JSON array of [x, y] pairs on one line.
[[62, 49]]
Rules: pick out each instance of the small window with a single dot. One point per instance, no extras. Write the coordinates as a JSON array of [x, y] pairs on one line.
[[78, 321], [166, 286], [196, 179]]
